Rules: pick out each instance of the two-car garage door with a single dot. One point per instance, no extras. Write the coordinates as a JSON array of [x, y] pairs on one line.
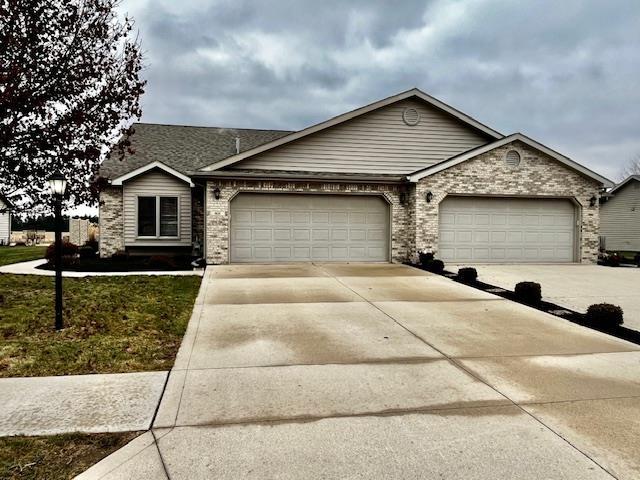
[[284, 227], [506, 230]]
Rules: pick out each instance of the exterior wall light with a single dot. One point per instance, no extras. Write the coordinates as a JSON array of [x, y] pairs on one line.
[[429, 196], [216, 193], [592, 201], [403, 198]]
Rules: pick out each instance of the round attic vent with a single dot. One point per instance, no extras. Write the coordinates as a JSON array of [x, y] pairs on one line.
[[512, 158], [411, 116]]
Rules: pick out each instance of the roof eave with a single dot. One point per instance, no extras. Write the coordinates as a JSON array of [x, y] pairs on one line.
[[302, 176], [119, 181]]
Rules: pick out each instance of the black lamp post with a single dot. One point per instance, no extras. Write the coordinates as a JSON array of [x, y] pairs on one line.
[[58, 185]]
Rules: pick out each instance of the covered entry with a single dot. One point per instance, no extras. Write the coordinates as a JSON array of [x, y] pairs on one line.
[[283, 227], [507, 230]]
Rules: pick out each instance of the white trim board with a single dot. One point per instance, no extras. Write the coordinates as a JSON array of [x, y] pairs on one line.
[[353, 114], [150, 166], [438, 167]]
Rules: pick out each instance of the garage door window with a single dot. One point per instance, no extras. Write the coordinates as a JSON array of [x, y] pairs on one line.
[[157, 217]]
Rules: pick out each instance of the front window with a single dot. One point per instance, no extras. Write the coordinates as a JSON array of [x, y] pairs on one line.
[[157, 216]]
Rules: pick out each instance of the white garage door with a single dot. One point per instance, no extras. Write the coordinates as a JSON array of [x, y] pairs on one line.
[[506, 230], [300, 227]]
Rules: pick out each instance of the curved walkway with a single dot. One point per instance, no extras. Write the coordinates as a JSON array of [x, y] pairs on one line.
[[30, 268]]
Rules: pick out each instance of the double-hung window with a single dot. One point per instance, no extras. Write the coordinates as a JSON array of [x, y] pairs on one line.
[[158, 217]]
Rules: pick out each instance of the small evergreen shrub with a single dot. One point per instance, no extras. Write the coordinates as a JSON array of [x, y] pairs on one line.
[[86, 251], [436, 266], [68, 249], [425, 258], [528, 292], [92, 243], [604, 315], [467, 275]]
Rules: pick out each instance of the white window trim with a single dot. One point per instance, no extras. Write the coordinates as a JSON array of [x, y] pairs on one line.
[[157, 236]]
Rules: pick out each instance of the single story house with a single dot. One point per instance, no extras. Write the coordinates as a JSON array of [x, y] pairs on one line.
[[5, 220], [405, 174], [620, 217]]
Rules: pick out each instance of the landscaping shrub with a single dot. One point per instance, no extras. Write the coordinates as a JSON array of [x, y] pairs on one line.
[[69, 260], [604, 315], [93, 244], [425, 258], [528, 292], [86, 251], [436, 266], [162, 262], [68, 249], [467, 275], [120, 256]]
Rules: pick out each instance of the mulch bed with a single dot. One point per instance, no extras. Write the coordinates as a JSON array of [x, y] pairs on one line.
[[564, 313]]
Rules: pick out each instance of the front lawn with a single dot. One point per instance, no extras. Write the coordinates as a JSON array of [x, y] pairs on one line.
[[113, 324], [57, 456], [10, 255]]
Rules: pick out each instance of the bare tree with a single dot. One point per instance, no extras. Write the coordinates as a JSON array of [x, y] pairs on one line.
[[632, 167], [69, 89]]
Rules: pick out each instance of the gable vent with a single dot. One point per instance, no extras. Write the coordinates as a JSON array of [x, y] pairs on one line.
[[411, 116], [512, 158]]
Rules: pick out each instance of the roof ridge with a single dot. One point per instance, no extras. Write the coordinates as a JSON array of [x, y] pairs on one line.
[[213, 127]]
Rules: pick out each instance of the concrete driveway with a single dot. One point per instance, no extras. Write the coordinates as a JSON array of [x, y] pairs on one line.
[[383, 371], [575, 286]]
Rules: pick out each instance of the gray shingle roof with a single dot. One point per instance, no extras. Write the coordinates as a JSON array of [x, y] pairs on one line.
[[184, 148]]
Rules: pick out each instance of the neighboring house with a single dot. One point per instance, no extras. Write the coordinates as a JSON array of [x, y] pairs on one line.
[[5, 220], [379, 183], [620, 217]]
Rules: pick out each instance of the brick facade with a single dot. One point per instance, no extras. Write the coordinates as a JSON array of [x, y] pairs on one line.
[[414, 223], [111, 221], [488, 174], [217, 221]]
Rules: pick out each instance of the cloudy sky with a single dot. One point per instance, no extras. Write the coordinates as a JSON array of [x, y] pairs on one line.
[[566, 73]]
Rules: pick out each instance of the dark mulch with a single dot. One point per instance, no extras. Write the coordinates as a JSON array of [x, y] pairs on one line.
[[133, 264], [564, 313]]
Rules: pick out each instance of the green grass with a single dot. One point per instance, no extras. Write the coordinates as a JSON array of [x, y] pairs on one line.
[[57, 456], [112, 324], [10, 255]]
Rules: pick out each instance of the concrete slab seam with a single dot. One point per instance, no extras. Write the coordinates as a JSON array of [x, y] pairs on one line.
[[164, 465], [472, 374]]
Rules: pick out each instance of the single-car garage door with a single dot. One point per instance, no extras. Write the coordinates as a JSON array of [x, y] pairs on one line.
[[509, 230], [304, 227]]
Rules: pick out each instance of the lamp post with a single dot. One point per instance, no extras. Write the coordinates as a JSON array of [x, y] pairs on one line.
[[58, 185]]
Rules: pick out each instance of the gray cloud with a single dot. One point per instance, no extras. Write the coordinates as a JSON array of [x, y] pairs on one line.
[[565, 73]]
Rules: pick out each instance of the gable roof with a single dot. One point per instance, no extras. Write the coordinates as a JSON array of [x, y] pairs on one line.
[[474, 152], [183, 148], [413, 93], [624, 182], [151, 166]]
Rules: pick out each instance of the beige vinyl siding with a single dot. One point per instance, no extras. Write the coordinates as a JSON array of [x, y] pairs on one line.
[[5, 225], [151, 184], [620, 219], [377, 142]]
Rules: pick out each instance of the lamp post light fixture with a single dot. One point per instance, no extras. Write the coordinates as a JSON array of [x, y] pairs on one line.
[[58, 186]]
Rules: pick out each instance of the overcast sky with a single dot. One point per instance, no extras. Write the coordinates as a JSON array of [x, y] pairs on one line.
[[565, 72]]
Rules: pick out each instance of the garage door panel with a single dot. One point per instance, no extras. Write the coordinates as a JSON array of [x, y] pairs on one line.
[[506, 230], [297, 227]]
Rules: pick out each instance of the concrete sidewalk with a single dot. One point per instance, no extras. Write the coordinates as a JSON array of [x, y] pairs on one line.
[[79, 403], [30, 268], [383, 371], [574, 286]]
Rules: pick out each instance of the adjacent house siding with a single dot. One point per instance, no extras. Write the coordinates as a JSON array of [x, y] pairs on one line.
[[152, 184], [620, 219], [378, 142], [5, 225], [538, 175]]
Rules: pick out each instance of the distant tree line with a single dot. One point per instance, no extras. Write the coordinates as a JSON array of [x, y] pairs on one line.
[[42, 222]]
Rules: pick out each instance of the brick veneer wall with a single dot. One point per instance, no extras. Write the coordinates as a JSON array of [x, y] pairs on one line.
[[217, 221], [488, 174], [111, 221]]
